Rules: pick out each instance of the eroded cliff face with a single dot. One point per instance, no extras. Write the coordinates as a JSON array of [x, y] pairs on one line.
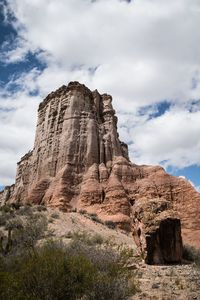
[[76, 129], [79, 162]]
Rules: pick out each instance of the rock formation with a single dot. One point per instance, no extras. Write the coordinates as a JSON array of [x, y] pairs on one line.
[[79, 162]]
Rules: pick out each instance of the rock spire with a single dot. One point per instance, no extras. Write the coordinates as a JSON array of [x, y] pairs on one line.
[[79, 162]]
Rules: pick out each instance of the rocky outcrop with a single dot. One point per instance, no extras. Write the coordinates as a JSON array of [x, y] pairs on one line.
[[6, 194], [183, 198], [79, 162], [157, 231], [76, 129]]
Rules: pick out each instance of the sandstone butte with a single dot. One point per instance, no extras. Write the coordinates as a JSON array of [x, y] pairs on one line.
[[79, 162]]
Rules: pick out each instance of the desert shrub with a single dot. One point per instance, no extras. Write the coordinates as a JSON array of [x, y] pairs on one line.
[[80, 236], [191, 254], [5, 216], [51, 274], [77, 271], [51, 220], [86, 238], [126, 227], [82, 211], [32, 231], [23, 234], [110, 224], [92, 215], [15, 223], [6, 208], [97, 239], [55, 215], [113, 280], [41, 208], [25, 210], [74, 209], [16, 206], [101, 257], [95, 218], [3, 219]]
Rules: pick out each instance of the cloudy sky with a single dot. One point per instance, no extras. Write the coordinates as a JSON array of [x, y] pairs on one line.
[[145, 53]]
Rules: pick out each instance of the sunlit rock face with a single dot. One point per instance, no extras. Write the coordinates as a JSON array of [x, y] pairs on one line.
[[79, 162]]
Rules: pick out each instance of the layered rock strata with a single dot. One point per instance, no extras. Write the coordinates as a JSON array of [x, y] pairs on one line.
[[79, 162]]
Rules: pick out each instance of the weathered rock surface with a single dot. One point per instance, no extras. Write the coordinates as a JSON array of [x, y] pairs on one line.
[[79, 161], [157, 231]]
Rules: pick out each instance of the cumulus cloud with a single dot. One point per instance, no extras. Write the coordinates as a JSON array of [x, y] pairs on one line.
[[17, 123], [142, 52], [171, 139]]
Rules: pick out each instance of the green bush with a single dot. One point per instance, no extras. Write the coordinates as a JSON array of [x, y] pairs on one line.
[[51, 274], [78, 271]]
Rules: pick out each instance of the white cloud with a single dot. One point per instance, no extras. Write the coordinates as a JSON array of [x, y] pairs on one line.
[[145, 51], [142, 52], [171, 139], [17, 123]]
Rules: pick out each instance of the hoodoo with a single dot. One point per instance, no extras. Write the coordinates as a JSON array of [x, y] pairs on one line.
[[79, 162]]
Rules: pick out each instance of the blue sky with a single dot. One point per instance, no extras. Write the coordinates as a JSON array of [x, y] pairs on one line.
[[146, 54]]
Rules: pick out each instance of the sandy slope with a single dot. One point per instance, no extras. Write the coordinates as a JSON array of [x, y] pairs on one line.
[[73, 222]]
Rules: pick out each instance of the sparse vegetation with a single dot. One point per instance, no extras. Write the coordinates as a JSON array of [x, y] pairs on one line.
[[127, 227], [6, 208], [110, 224], [88, 268], [86, 238], [91, 216], [25, 210], [3, 219], [21, 229], [191, 254], [82, 211], [33, 267], [55, 215], [95, 218], [41, 208], [74, 209]]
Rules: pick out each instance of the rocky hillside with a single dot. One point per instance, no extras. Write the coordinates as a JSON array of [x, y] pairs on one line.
[[31, 227], [78, 162]]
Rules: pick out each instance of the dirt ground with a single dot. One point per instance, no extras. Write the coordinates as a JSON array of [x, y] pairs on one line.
[[173, 282]]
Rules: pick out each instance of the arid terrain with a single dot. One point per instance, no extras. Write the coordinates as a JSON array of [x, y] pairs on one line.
[[172, 282], [78, 191], [164, 282], [79, 163], [169, 282]]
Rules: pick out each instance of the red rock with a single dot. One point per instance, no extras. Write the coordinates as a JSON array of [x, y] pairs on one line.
[[79, 161]]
